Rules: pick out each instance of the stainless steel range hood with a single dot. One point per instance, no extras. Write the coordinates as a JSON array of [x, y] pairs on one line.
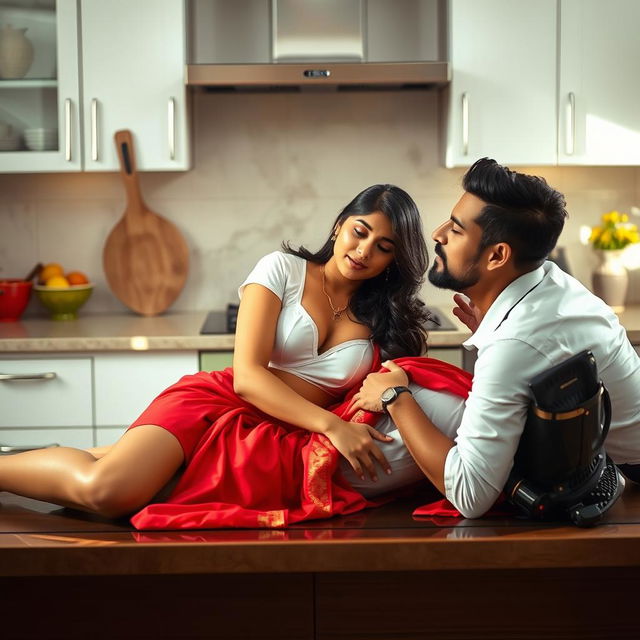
[[254, 44]]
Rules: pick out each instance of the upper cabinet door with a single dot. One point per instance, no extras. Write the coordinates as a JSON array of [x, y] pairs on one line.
[[133, 58], [39, 102], [502, 98], [599, 97]]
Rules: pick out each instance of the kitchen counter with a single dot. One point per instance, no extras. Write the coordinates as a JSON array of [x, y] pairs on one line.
[[175, 332], [379, 573], [127, 332]]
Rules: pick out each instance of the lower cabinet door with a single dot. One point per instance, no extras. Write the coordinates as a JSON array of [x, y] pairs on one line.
[[46, 392], [215, 360], [125, 383], [16, 440], [106, 436]]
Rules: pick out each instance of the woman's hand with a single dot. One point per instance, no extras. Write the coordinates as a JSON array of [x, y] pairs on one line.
[[368, 398], [355, 441], [466, 312]]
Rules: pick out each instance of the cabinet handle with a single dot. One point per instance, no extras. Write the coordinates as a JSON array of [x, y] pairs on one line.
[[571, 124], [9, 377], [172, 128], [94, 130], [465, 124], [67, 130]]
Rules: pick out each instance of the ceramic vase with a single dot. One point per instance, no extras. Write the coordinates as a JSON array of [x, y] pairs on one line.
[[16, 53], [610, 279]]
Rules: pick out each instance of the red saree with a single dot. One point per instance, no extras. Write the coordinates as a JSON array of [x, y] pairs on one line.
[[248, 471]]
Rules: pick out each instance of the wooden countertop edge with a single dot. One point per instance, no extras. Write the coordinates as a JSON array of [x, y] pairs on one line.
[[616, 548]]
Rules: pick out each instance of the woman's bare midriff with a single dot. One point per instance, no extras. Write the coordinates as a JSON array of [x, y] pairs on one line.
[[307, 390]]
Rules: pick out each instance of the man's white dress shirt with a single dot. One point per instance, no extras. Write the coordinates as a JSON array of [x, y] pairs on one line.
[[538, 321]]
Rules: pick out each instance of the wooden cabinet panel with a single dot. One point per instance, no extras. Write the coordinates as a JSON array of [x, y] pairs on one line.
[[477, 604]]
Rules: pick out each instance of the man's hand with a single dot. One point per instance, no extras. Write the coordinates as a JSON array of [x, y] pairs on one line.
[[368, 398], [466, 312]]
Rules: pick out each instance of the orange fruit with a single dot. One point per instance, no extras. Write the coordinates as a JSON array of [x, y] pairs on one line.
[[76, 277], [59, 282], [49, 271]]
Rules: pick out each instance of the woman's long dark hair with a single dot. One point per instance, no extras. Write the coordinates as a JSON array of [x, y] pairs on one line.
[[388, 304]]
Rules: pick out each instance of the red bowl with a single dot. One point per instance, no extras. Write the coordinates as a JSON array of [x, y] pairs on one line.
[[14, 297]]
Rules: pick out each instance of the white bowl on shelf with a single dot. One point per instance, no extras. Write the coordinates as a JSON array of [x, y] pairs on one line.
[[41, 139]]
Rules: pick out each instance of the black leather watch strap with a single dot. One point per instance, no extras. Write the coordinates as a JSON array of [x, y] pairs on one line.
[[391, 394]]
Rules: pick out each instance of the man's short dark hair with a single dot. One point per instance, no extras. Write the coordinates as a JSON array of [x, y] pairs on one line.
[[521, 210]]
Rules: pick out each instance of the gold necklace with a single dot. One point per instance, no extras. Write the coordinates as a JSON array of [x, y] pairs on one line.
[[337, 313]]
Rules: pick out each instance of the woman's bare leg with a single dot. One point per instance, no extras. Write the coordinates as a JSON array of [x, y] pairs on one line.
[[99, 452], [124, 479]]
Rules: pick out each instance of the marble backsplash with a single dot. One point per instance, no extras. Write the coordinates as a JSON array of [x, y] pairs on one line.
[[268, 167]]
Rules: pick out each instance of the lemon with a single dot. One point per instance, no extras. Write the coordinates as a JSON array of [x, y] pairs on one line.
[[59, 282], [49, 271]]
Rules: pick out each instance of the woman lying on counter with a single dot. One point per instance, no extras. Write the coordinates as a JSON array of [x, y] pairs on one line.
[[257, 445]]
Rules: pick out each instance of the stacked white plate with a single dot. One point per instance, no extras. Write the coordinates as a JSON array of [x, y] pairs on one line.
[[41, 139]]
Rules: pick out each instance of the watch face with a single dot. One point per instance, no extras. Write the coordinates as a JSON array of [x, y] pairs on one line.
[[388, 394]]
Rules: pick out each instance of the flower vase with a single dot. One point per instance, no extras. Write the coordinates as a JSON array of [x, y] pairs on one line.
[[16, 53], [610, 279]]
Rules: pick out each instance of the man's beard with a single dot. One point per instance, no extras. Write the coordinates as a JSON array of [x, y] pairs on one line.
[[445, 280]]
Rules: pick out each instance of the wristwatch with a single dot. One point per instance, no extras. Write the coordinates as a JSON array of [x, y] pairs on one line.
[[391, 395]]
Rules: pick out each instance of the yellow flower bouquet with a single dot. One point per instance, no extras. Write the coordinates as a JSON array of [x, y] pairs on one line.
[[615, 232]]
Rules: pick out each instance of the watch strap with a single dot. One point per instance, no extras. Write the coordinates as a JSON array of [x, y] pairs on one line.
[[396, 392]]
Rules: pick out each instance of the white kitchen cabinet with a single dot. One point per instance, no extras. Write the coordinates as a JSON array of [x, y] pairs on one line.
[[133, 66], [128, 65], [502, 97], [46, 401], [125, 384], [48, 97], [599, 92], [84, 400]]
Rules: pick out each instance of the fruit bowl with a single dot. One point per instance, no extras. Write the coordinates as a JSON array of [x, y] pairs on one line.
[[63, 303], [14, 297]]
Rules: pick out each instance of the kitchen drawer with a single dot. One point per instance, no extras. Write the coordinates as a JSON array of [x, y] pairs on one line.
[[65, 437], [62, 399], [127, 382]]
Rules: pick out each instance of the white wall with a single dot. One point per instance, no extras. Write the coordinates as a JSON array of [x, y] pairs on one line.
[[269, 167]]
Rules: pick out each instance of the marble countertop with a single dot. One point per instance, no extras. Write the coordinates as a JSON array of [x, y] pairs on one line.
[[175, 331]]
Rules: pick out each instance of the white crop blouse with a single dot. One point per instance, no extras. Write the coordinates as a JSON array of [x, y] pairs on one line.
[[296, 343]]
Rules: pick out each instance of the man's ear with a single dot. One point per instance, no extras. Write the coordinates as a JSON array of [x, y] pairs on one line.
[[499, 256]]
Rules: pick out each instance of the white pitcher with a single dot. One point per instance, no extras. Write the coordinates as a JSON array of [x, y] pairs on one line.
[[16, 52]]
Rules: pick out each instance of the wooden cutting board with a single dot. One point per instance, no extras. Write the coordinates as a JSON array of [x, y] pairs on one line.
[[145, 258]]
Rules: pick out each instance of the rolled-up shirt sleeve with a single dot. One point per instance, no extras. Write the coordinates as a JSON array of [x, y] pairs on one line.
[[477, 467]]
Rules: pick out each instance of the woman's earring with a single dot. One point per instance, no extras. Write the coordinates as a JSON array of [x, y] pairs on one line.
[[334, 236], [386, 279]]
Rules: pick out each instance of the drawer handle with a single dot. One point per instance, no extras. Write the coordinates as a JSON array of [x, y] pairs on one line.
[[8, 377]]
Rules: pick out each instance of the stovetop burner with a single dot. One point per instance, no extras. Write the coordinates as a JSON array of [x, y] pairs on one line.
[[224, 322]]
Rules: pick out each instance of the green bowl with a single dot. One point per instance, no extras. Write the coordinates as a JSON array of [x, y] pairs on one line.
[[63, 303]]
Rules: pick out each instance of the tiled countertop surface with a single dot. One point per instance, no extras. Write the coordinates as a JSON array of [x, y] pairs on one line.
[[174, 332]]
